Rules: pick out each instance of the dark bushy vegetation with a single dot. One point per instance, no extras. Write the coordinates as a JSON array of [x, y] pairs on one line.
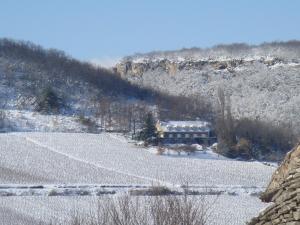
[[2, 120], [260, 140], [167, 210], [251, 138], [184, 108], [60, 65], [90, 125], [265, 138], [148, 131], [152, 191], [49, 102]]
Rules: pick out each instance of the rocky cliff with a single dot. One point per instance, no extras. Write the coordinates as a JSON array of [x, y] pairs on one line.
[[284, 191], [139, 67], [262, 81]]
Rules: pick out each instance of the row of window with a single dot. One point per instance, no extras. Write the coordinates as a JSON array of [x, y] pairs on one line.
[[186, 135]]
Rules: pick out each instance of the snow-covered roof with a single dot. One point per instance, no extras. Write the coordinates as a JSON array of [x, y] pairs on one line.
[[185, 126]]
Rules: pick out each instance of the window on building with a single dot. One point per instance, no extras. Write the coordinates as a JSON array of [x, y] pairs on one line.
[[195, 135], [170, 135], [179, 135], [187, 135]]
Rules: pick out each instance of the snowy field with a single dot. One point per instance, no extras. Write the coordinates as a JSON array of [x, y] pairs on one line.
[[30, 121], [108, 159]]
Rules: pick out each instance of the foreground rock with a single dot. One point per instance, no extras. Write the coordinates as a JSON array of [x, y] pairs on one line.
[[284, 191]]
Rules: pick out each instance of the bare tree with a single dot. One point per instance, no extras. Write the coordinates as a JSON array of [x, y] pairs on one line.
[[157, 210], [8, 75], [103, 110], [225, 123]]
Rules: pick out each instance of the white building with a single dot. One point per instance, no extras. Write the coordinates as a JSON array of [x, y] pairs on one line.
[[184, 131]]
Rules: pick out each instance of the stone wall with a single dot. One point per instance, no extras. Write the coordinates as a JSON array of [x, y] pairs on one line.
[[284, 192]]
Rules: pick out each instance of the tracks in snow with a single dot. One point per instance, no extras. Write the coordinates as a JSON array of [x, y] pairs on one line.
[[100, 189], [151, 180]]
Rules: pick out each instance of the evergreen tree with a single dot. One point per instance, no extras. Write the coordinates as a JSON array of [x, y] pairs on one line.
[[148, 132], [49, 102]]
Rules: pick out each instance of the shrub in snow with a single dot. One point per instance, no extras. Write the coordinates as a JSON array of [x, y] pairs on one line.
[[49, 102], [172, 210], [6, 194], [82, 192], [152, 191], [140, 143], [90, 125], [214, 146], [2, 120], [160, 151], [184, 148], [53, 193], [243, 148], [197, 147]]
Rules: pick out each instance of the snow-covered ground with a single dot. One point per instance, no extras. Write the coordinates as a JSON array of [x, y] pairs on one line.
[[25, 121], [200, 152], [108, 159]]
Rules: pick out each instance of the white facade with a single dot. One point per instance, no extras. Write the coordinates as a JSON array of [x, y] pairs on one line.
[[183, 129]]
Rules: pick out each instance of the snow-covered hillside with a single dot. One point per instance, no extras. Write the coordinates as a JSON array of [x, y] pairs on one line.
[[33, 79], [23, 80], [262, 81], [30, 121]]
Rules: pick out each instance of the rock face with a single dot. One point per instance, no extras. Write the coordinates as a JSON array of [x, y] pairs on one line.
[[284, 192], [138, 68]]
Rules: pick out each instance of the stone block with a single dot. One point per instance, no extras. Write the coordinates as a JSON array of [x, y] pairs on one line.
[[296, 215]]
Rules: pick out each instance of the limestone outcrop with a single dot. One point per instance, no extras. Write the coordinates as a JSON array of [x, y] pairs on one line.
[[132, 68], [284, 192]]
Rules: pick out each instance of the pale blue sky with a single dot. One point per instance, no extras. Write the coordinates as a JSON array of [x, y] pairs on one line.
[[104, 29]]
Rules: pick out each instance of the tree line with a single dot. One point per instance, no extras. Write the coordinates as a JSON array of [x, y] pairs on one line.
[[250, 138]]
